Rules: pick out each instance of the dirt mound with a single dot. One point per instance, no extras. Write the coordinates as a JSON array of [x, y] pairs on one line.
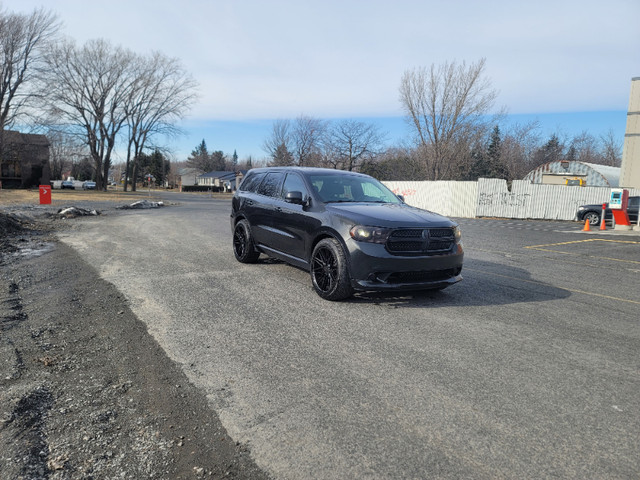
[[10, 224]]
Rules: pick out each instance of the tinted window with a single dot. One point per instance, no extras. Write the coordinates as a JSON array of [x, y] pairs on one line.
[[293, 183], [251, 182], [270, 186], [351, 188], [634, 201]]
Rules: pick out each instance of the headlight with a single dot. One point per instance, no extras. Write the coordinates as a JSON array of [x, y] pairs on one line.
[[457, 233], [369, 234], [581, 208]]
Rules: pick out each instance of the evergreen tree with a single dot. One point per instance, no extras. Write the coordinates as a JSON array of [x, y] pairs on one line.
[[217, 161], [83, 170], [487, 162], [234, 159], [550, 152], [155, 165], [281, 156], [200, 159], [497, 168], [494, 146], [480, 167]]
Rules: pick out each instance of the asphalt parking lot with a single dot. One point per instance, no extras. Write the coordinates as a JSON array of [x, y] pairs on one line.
[[526, 369]]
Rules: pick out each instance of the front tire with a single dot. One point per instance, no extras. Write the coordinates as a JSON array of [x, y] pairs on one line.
[[593, 217], [329, 271], [243, 247]]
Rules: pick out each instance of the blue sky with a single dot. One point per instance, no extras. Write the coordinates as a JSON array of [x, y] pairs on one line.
[[567, 64]]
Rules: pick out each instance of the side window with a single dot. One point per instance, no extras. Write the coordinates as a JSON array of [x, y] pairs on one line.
[[634, 201], [271, 184], [294, 183], [251, 182]]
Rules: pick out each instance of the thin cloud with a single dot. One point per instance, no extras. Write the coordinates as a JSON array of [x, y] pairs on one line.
[[257, 59]]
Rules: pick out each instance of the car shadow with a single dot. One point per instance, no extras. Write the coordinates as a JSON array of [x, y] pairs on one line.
[[484, 284]]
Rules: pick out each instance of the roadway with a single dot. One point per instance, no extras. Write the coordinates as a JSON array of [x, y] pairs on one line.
[[526, 369]]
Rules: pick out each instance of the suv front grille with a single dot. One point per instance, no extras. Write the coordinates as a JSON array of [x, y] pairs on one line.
[[421, 241]]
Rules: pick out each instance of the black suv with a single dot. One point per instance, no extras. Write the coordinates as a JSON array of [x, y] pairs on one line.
[[347, 229]]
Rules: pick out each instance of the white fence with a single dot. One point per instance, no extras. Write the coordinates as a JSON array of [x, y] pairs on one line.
[[492, 198]]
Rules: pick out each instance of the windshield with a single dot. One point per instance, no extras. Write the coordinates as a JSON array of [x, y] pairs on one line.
[[351, 188]]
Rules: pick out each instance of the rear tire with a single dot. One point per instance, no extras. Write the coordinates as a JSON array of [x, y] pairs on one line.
[[243, 247], [329, 271]]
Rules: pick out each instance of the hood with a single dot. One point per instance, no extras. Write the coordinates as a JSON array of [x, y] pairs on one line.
[[388, 215]]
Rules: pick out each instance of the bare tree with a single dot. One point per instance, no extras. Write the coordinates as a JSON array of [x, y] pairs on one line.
[[447, 107], [350, 143], [88, 90], [296, 142], [24, 40], [307, 136], [397, 163], [518, 149], [160, 95], [279, 144], [584, 148], [64, 150], [611, 149]]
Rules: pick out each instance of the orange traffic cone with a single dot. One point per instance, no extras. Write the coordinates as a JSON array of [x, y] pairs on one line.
[[603, 224], [587, 226]]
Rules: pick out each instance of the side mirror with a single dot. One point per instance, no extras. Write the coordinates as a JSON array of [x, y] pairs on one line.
[[294, 197], [401, 198]]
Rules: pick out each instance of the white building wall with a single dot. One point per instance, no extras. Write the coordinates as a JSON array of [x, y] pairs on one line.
[[492, 198], [630, 172], [452, 199]]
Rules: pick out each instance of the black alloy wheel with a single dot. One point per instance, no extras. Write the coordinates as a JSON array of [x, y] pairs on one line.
[[243, 246], [329, 272]]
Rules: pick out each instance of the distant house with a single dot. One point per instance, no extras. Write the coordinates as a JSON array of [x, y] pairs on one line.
[[24, 160], [220, 180], [188, 177]]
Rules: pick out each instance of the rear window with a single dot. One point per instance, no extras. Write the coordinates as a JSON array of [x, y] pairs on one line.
[[251, 182], [271, 185]]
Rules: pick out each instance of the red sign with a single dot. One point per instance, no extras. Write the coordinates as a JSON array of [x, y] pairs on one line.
[[45, 194]]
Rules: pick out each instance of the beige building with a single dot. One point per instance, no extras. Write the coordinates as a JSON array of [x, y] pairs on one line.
[[630, 172]]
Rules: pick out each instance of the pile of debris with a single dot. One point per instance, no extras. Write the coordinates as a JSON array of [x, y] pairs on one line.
[[142, 204], [73, 212]]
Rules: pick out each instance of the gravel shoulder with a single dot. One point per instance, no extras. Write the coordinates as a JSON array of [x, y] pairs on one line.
[[85, 391]]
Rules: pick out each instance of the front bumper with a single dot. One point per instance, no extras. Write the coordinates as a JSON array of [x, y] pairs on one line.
[[372, 267]]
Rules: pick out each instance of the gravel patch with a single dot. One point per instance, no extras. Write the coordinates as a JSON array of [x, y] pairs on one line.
[[85, 391]]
